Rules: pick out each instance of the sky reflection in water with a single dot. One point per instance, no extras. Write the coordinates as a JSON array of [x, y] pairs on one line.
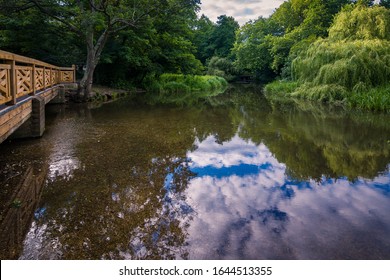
[[249, 208], [237, 180]]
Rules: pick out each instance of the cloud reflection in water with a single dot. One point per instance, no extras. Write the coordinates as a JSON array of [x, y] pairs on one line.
[[249, 208]]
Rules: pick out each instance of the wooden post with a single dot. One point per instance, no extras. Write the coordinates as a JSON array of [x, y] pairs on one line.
[[33, 80], [50, 77], [74, 73], [44, 78], [13, 85]]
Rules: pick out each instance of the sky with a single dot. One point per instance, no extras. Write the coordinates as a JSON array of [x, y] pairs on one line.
[[241, 10]]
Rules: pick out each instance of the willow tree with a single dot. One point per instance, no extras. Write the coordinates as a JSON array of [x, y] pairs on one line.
[[355, 58], [95, 21]]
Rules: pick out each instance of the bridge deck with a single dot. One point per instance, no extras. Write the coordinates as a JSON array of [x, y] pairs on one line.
[[21, 80]]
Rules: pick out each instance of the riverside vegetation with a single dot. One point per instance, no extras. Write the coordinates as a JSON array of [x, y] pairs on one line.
[[182, 89], [351, 66], [334, 51]]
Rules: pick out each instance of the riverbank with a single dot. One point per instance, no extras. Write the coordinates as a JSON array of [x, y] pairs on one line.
[[168, 88], [104, 94], [374, 99]]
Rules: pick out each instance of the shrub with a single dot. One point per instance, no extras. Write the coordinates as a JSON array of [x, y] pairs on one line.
[[179, 83]]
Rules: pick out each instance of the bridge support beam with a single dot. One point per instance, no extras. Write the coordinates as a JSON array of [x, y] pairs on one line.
[[35, 125], [60, 97], [27, 118]]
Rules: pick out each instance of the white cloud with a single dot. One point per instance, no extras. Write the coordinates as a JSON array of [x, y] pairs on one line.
[[322, 220], [241, 10], [232, 153], [268, 215]]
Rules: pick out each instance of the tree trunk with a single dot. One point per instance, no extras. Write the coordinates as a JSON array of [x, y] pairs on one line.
[[85, 85], [93, 57]]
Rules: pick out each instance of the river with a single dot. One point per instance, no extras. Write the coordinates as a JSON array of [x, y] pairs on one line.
[[228, 177]]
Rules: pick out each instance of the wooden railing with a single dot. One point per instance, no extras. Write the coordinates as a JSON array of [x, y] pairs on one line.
[[20, 76]]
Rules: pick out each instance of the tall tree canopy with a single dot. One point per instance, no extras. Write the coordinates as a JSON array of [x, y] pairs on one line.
[[385, 3], [272, 43], [215, 39], [203, 28], [95, 21], [223, 36]]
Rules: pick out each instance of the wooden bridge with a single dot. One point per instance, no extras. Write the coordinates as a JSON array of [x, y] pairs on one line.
[[26, 86]]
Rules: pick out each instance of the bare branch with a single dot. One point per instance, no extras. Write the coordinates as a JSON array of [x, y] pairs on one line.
[[10, 6], [51, 14]]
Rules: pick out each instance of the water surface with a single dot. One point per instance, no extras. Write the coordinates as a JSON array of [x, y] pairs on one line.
[[229, 177]]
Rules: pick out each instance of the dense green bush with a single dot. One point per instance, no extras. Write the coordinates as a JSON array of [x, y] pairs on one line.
[[377, 99], [176, 83], [222, 67], [280, 87], [351, 65]]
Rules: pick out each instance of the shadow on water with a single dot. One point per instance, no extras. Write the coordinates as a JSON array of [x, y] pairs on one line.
[[229, 176]]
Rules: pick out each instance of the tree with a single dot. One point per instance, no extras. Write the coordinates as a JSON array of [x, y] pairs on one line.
[[49, 43], [361, 23], [175, 51], [203, 30], [252, 50], [352, 60], [385, 3], [365, 3], [95, 21], [223, 37], [221, 66], [274, 42], [164, 45]]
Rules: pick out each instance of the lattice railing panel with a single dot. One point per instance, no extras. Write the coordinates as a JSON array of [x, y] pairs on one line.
[[39, 84], [20, 76], [5, 90], [47, 78], [23, 80], [67, 76], [53, 77]]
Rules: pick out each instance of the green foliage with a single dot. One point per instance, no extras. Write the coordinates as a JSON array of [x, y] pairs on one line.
[[214, 39], [270, 45], [223, 36], [203, 29], [183, 89], [365, 3], [324, 93], [252, 48], [222, 67], [280, 88], [50, 43], [127, 40], [375, 99], [178, 83], [351, 66], [348, 64], [175, 87], [361, 23], [301, 20], [385, 3]]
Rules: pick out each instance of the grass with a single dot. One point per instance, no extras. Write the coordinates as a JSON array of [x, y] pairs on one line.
[[281, 87], [179, 83], [376, 99], [373, 99]]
